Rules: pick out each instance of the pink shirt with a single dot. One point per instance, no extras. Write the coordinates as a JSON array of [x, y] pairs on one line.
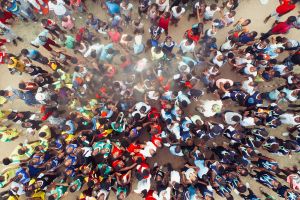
[[68, 24], [115, 36]]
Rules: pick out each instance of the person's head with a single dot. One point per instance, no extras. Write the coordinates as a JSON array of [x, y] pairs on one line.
[[241, 188], [213, 6], [143, 109], [22, 85], [44, 22], [24, 52], [236, 118], [178, 9], [157, 50], [279, 50], [246, 22], [227, 85], [177, 149], [184, 103], [167, 14], [110, 51], [243, 171], [291, 19], [6, 161], [232, 13], [253, 34], [189, 41], [90, 16], [73, 188], [3, 93]]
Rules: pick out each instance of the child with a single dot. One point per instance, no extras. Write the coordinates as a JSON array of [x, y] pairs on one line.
[[164, 21], [209, 12], [177, 12], [67, 23]]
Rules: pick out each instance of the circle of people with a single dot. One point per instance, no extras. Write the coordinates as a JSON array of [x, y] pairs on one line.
[[105, 101]]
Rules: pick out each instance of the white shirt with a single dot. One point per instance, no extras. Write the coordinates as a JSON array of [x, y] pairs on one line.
[[229, 115], [216, 61], [247, 121], [96, 47], [175, 14], [210, 13], [163, 6], [173, 152], [59, 8], [248, 88], [126, 10], [289, 119], [175, 176], [228, 19], [186, 48], [248, 72]]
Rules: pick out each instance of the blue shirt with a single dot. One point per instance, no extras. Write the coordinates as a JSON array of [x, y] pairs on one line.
[[104, 55], [113, 8]]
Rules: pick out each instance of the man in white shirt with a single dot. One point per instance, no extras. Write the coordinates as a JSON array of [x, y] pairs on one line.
[[59, 8], [186, 46], [96, 48], [177, 12]]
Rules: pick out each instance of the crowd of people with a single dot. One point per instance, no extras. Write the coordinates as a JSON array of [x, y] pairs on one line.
[[109, 94]]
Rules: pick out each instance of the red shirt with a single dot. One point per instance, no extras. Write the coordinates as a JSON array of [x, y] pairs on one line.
[[150, 195], [116, 151], [140, 168], [190, 35], [156, 138], [285, 7], [281, 28], [164, 22], [2, 56], [132, 147], [114, 36]]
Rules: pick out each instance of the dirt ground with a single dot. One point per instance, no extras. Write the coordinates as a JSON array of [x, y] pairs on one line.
[[251, 9]]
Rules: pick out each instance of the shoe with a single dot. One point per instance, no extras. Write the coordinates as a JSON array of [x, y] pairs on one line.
[[236, 191], [247, 185], [285, 134]]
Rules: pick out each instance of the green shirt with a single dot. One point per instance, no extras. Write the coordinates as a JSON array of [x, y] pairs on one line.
[[59, 190], [77, 182], [70, 42]]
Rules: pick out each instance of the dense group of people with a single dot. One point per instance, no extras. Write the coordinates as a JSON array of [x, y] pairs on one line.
[[107, 95]]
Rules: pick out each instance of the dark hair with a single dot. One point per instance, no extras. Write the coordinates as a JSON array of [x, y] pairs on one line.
[[24, 51], [2, 92], [90, 184], [110, 51], [167, 14], [230, 55], [291, 19], [44, 21], [227, 85], [184, 104], [72, 190], [273, 61], [77, 68], [236, 118], [42, 134], [6, 161], [51, 197], [178, 9], [213, 6], [22, 85], [21, 152], [242, 189]]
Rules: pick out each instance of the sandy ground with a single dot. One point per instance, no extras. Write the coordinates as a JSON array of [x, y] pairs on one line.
[[248, 9]]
